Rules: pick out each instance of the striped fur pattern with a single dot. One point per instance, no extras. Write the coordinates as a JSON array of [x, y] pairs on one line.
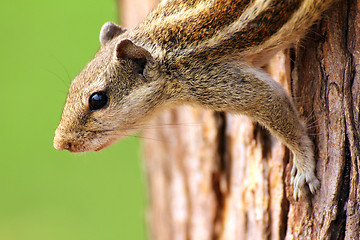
[[228, 27], [198, 52]]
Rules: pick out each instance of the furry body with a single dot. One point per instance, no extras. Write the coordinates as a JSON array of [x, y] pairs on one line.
[[199, 52]]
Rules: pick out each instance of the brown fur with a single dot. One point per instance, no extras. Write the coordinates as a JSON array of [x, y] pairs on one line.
[[199, 52]]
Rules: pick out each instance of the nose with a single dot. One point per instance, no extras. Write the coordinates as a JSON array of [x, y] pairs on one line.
[[60, 142], [62, 145]]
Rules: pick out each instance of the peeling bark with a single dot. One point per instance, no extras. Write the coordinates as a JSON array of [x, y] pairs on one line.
[[220, 176]]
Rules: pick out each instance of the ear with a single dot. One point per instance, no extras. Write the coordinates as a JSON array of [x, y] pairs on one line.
[[108, 31], [126, 49]]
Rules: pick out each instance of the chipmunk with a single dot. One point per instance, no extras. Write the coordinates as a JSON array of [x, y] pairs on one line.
[[199, 52]]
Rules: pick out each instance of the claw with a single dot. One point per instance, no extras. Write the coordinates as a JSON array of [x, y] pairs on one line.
[[297, 194], [314, 184], [300, 179], [293, 173]]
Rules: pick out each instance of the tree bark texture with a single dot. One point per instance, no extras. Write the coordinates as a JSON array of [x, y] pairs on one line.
[[216, 175]]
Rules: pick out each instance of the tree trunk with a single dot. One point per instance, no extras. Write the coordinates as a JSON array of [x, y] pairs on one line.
[[220, 176]]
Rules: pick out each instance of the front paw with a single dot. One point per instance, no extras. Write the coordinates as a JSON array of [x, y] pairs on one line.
[[300, 178]]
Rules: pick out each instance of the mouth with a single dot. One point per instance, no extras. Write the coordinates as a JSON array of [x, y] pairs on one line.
[[66, 141], [105, 145], [100, 148], [82, 149]]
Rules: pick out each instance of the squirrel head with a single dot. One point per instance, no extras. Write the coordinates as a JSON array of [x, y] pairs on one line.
[[115, 92]]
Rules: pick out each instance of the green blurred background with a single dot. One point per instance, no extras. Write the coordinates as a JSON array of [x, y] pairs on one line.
[[47, 194]]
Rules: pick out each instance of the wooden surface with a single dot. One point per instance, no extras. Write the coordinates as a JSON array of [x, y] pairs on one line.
[[219, 176]]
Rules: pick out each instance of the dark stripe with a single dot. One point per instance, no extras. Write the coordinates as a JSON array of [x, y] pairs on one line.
[[267, 23], [258, 30], [202, 26]]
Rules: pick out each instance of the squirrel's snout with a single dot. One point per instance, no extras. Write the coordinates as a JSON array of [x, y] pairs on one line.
[[60, 142], [59, 145], [76, 142]]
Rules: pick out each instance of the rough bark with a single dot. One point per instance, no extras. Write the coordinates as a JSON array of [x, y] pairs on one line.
[[220, 176]]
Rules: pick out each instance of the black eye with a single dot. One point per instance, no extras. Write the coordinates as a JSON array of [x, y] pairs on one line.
[[98, 100]]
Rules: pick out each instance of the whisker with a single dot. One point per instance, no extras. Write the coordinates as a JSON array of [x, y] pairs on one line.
[[148, 126], [113, 130], [64, 68], [316, 134], [146, 138], [140, 137], [58, 77], [315, 122], [168, 125]]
